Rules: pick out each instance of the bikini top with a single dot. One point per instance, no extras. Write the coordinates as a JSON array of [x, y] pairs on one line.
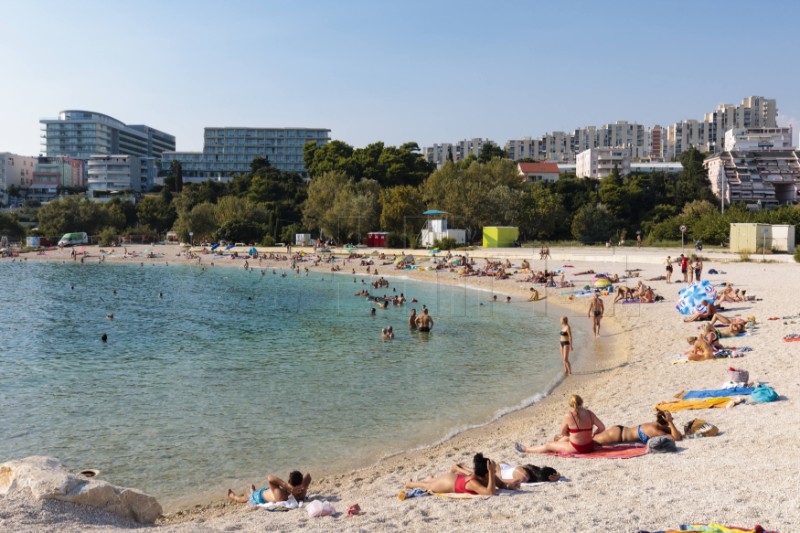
[[577, 429], [564, 333]]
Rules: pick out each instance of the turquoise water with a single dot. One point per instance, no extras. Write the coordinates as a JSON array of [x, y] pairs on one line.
[[231, 374]]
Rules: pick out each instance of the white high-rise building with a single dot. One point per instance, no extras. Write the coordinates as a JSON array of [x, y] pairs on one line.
[[15, 170], [708, 135], [438, 154]]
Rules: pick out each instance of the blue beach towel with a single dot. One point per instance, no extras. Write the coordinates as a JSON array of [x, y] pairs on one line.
[[719, 393]]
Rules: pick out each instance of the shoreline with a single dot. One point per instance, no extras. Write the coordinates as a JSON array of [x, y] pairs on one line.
[[633, 377]]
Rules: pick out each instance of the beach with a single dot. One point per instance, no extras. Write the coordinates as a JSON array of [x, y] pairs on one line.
[[743, 476]]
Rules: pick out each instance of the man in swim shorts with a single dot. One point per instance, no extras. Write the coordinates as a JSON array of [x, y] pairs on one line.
[[424, 321], [596, 309], [277, 490]]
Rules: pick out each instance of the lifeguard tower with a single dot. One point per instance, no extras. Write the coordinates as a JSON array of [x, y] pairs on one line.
[[436, 229]]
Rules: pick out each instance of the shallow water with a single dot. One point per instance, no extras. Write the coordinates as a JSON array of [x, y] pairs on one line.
[[233, 374]]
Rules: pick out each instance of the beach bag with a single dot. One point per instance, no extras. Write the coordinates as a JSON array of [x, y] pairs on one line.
[[697, 428], [319, 508], [662, 444], [763, 393], [739, 376]]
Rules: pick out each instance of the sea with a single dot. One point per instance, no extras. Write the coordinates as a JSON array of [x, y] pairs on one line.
[[213, 377]]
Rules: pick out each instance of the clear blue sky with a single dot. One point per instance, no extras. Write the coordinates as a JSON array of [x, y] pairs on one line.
[[412, 70]]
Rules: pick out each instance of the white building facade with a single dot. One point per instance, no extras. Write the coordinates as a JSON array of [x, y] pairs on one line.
[[600, 162], [743, 139], [115, 175]]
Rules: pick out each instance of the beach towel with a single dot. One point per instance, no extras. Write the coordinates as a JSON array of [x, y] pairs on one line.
[[719, 393], [288, 505], [793, 337], [624, 451], [700, 403], [717, 528]]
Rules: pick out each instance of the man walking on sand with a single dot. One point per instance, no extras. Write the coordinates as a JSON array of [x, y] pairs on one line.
[[685, 268], [596, 309]]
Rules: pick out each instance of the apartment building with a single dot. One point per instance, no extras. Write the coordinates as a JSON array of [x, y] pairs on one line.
[[54, 172], [600, 162], [228, 151], [743, 139], [439, 154], [15, 170], [81, 134], [708, 135], [115, 175], [761, 177]]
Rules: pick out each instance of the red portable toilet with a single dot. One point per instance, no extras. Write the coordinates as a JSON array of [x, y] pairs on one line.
[[377, 239]]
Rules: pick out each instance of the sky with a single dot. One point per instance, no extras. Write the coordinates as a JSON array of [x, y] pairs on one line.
[[413, 70]]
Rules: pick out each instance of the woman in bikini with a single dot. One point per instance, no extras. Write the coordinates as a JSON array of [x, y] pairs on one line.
[[577, 430], [510, 477], [712, 336], [453, 482], [669, 268], [566, 344], [641, 433]]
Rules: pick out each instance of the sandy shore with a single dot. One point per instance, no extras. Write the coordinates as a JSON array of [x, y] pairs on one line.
[[744, 476]]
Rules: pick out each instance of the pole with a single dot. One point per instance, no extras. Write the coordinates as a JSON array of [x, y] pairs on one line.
[[682, 251]]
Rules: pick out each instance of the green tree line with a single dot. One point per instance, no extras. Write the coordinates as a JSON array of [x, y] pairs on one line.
[[386, 188]]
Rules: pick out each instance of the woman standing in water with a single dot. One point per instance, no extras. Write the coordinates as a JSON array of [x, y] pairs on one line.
[[566, 344]]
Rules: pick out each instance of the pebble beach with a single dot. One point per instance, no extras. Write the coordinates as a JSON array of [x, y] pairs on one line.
[[743, 476]]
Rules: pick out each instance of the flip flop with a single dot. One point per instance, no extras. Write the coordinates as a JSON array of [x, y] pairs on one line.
[[518, 447]]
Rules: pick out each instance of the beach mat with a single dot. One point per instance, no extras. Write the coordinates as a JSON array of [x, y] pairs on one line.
[[625, 451]]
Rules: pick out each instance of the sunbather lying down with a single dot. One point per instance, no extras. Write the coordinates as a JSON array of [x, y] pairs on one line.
[[510, 477], [480, 482], [641, 433]]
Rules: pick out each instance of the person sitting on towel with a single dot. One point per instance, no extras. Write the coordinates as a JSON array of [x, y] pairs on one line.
[[479, 482], [578, 427], [510, 477], [277, 490], [663, 426], [708, 315]]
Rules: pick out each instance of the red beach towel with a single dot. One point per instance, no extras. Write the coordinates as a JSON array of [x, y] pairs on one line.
[[624, 451]]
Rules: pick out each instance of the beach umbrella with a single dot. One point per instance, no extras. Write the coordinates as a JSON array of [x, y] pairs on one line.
[[253, 251], [691, 298], [602, 282], [409, 259]]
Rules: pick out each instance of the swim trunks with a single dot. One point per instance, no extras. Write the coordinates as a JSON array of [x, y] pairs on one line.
[[564, 343], [424, 329], [257, 498], [597, 313]]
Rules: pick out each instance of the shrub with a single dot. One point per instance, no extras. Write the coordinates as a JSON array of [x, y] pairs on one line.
[[797, 254], [744, 256], [268, 240], [107, 235], [395, 240], [447, 243], [413, 241]]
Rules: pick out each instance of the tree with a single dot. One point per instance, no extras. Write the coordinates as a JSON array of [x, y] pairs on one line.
[[175, 176], [11, 227], [489, 151], [592, 223], [401, 209], [152, 211], [321, 196], [542, 213]]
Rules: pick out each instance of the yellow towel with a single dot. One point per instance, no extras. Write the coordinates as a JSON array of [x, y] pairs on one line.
[[699, 403]]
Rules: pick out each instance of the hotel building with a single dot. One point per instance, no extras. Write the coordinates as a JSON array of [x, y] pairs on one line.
[[82, 134], [229, 151]]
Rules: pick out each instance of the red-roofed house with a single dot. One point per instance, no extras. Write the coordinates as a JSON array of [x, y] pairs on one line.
[[538, 171]]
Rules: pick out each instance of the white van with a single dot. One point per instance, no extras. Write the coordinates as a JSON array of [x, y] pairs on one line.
[[71, 239]]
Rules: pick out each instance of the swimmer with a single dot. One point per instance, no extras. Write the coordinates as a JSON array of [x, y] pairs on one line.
[[412, 320], [110, 315], [104, 338], [424, 321]]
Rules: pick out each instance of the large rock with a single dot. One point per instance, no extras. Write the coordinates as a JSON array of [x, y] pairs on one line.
[[46, 478]]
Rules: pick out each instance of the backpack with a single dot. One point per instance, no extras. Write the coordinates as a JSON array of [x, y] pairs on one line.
[[763, 393]]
